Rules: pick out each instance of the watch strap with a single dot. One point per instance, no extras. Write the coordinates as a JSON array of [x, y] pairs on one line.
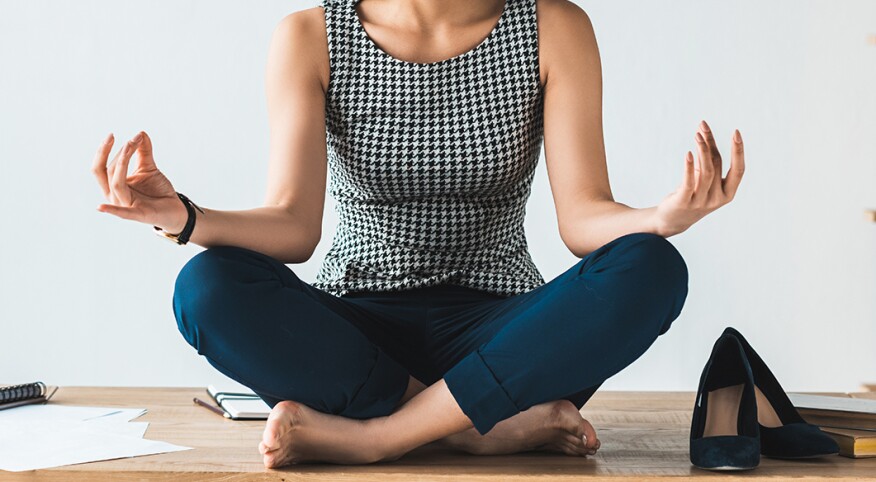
[[186, 233], [183, 237]]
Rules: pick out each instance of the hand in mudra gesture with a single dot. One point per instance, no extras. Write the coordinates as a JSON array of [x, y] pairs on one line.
[[702, 190], [145, 195]]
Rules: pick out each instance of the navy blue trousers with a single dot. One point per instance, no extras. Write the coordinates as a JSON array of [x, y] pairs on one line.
[[254, 320]]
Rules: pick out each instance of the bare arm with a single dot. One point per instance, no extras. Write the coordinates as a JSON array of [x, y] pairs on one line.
[[587, 213], [288, 226]]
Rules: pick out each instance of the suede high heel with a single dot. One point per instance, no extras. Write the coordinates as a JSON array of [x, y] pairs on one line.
[[724, 431], [783, 431]]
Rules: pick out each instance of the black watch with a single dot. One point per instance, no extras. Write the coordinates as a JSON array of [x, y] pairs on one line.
[[183, 237]]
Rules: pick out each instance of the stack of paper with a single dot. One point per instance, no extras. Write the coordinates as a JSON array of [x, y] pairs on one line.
[[42, 436]]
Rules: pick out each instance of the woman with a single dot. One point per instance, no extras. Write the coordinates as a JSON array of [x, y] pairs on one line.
[[428, 321]]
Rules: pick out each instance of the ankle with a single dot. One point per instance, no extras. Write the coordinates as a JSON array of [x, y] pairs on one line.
[[464, 441], [385, 439]]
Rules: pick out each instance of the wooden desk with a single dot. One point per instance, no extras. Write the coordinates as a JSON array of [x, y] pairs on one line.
[[643, 434]]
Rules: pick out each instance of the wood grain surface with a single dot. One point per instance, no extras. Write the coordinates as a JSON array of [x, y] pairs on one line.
[[644, 436]]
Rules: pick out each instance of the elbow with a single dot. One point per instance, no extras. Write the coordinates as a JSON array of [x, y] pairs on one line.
[[579, 250], [301, 232], [308, 250], [571, 241], [582, 228], [303, 246], [576, 240]]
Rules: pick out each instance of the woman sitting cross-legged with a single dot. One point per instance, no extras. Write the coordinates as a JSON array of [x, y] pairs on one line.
[[428, 320]]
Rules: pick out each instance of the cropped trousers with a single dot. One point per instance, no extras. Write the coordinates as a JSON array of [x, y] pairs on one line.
[[257, 322]]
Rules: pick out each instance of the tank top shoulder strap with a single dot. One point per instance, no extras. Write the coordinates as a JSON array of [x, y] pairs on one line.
[[520, 42], [343, 45], [337, 27]]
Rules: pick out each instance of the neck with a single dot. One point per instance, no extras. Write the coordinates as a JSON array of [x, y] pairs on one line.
[[429, 15]]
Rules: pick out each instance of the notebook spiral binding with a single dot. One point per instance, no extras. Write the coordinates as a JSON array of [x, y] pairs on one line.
[[25, 391]]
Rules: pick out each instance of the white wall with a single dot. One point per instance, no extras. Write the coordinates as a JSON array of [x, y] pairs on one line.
[[85, 298]]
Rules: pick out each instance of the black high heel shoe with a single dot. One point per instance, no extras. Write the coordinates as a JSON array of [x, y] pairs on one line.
[[724, 431], [783, 431]]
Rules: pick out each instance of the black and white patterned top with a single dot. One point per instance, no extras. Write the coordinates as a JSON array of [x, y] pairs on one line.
[[431, 164]]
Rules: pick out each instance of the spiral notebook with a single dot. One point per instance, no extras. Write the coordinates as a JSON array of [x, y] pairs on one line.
[[24, 394]]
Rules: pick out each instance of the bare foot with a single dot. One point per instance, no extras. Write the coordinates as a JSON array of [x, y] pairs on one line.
[[296, 433], [553, 426]]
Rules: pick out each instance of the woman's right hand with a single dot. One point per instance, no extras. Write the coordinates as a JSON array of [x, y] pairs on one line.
[[146, 195]]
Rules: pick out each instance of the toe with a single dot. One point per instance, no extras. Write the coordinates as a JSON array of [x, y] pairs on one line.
[[575, 440], [573, 449], [582, 432], [590, 433], [578, 444], [569, 449]]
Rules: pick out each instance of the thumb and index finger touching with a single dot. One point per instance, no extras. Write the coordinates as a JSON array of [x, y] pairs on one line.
[[144, 152], [143, 149], [112, 177]]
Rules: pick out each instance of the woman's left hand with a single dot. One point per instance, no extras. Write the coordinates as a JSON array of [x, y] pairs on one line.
[[703, 190]]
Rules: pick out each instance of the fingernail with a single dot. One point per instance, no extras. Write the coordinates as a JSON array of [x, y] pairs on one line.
[[108, 137], [737, 136], [704, 126], [700, 138], [138, 137]]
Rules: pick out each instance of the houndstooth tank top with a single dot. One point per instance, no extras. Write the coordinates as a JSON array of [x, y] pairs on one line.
[[431, 164]]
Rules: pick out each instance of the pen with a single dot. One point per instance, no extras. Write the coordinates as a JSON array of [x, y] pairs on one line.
[[206, 405]]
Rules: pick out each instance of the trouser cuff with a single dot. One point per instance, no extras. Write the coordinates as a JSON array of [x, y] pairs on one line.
[[479, 394]]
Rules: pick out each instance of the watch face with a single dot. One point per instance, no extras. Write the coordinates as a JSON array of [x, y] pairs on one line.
[[165, 235]]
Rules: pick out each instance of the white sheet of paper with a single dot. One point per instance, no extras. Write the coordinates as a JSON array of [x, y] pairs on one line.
[[54, 412], [121, 414], [39, 444], [134, 429]]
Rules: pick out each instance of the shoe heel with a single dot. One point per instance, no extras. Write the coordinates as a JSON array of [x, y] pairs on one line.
[[724, 431], [784, 434]]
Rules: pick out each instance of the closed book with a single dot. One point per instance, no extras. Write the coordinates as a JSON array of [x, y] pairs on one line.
[[822, 419], [230, 390], [242, 409], [239, 402], [836, 412], [854, 443]]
